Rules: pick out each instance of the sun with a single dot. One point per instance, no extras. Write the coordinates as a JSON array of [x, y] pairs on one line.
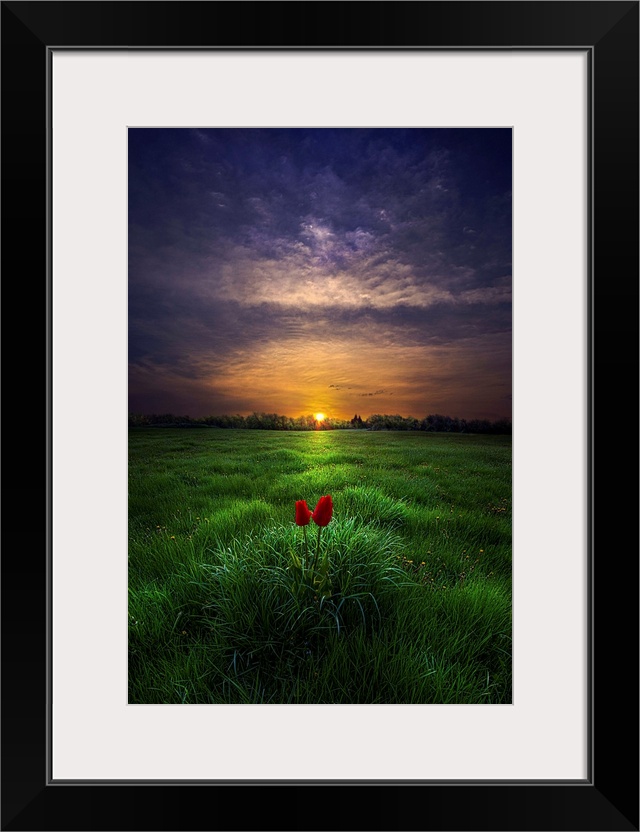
[[319, 417]]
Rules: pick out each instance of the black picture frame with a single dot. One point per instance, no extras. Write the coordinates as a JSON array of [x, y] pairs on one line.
[[608, 798]]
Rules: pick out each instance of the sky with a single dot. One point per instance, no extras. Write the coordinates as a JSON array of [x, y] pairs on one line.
[[342, 271]]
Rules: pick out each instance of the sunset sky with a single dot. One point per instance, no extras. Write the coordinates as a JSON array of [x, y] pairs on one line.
[[336, 270]]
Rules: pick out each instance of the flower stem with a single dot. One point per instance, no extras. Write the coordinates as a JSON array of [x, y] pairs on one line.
[[306, 546], [315, 560]]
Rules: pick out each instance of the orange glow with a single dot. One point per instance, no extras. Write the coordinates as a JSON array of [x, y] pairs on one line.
[[319, 417], [411, 379]]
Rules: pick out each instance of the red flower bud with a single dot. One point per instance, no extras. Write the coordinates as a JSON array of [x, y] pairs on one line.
[[323, 511], [303, 515]]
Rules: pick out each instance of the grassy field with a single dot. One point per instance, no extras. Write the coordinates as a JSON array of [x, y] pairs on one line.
[[416, 601]]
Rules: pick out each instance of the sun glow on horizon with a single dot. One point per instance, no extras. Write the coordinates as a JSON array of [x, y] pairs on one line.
[[319, 417]]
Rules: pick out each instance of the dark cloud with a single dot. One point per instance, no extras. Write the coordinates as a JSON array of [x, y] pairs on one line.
[[269, 242]]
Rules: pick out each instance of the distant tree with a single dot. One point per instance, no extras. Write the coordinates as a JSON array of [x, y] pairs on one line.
[[503, 426], [138, 420], [376, 422], [434, 422]]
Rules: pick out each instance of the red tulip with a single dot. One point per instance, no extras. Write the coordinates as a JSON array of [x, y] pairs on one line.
[[303, 515], [323, 511]]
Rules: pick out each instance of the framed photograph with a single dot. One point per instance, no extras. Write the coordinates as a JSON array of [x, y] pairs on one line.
[[517, 123]]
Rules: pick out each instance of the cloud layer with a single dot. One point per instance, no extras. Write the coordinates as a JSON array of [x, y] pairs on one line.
[[297, 270]]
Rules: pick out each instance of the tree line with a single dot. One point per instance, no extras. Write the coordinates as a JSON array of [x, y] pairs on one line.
[[435, 423]]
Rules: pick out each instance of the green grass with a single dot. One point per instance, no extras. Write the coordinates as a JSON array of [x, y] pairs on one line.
[[418, 567]]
